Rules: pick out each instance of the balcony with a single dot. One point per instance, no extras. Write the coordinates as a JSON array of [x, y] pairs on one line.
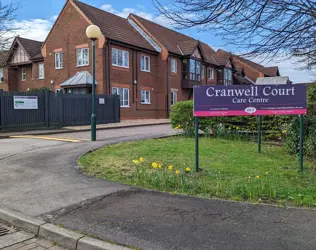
[[188, 84]]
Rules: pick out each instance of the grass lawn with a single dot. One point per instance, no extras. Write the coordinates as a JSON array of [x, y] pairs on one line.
[[231, 170]]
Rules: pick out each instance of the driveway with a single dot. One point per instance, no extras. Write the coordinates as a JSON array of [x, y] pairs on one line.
[[38, 176]]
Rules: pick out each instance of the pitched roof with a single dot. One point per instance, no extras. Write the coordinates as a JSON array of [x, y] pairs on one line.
[[208, 53], [173, 41], [113, 27], [79, 79], [32, 47], [221, 57], [268, 71]]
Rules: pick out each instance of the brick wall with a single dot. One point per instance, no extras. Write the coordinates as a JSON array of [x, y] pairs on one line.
[[67, 35]]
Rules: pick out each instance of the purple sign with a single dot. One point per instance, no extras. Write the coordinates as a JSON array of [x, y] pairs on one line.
[[240, 100]]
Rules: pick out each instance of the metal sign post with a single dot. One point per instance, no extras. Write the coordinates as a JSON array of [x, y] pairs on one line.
[[196, 120], [259, 133], [301, 143]]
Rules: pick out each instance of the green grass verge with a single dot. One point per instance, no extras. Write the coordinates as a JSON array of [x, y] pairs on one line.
[[231, 170]]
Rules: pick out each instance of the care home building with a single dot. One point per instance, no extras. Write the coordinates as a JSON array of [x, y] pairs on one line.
[[150, 66]]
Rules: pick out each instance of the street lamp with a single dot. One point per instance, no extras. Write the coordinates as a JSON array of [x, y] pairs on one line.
[[93, 32]]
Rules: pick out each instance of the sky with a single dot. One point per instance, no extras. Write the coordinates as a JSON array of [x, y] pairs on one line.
[[34, 19]]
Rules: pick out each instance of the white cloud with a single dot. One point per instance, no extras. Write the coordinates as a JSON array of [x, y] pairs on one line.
[[160, 19], [36, 29], [290, 67]]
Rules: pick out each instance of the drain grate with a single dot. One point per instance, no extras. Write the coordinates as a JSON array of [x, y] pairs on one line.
[[4, 230]]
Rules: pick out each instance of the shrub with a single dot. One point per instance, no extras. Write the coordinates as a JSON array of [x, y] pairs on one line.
[[41, 89], [309, 142], [182, 116]]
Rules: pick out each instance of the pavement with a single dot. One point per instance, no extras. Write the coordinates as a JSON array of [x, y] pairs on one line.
[[38, 175], [39, 178]]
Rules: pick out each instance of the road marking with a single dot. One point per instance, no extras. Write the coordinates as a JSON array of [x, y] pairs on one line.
[[47, 138]]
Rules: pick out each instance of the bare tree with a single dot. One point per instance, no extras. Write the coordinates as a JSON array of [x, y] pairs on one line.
[[7, 29], [260, 27]]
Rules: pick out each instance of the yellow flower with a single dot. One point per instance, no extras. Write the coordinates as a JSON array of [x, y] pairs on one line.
[[136, 162], [159, 166], [267, 172], [257, 177], [284, 131], [178, 127], [188, 170], [141, 159], [154, 165], [170, 167], [177, 172]]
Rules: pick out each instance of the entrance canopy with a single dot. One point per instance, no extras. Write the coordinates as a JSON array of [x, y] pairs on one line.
[[80, 79]]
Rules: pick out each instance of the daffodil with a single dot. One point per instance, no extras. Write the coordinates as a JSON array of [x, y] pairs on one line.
[[170, 167], [188, 170], [177, 171], [154, 164], [141, 159], [136, 162], [257, 177], [159, 166], [284, 131], [178, 127], [267, 172]]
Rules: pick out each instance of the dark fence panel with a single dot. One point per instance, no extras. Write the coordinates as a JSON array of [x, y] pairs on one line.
[[57, 110]]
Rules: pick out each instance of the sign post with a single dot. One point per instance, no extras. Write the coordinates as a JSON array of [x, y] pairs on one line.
[[196, 119], [301, 143], [250, 100], [259, 133]]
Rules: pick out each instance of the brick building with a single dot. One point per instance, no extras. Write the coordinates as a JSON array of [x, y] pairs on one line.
[[150, 66]]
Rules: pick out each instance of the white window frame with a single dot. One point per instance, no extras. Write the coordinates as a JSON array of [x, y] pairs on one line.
[[39, 71], [174, 65], [59, 60], [146, 68], [80, 50], [123, 100], [23, 76], [124, 52], [210, 73], [174, 98], [146, 100]]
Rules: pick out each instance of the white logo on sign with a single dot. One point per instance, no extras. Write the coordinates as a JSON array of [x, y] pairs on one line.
[[250, 110]]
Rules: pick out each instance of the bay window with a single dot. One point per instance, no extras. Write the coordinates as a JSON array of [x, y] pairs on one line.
[[195, 70]]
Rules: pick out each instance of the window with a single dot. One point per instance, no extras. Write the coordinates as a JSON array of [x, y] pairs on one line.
[[195, 70], [145, 97], [174, 65], [228, 80], [210, 73], [173, 97], [41, 72], [59, 60], [23, 74], [202, 71], [124, 96], [83, 57], [120, 58], [1, 74], [76, 91], [145, 63]]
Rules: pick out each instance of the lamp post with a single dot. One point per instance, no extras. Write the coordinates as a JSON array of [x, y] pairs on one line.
[[93, 32]]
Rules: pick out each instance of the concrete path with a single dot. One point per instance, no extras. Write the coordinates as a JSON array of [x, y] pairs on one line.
[[152, 220], [38, 176]]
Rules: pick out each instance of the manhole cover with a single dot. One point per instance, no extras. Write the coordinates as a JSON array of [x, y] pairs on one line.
[[4, 230]]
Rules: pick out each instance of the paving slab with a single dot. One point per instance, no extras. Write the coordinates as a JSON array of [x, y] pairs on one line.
[[14, 238]]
